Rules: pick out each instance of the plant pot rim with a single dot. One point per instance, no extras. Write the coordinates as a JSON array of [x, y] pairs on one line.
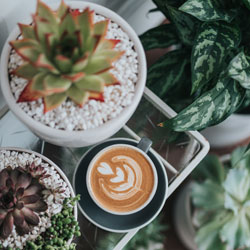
[[88, 133], [51, 163]]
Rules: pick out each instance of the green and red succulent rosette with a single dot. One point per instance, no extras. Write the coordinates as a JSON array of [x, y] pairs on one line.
[[66, 55]]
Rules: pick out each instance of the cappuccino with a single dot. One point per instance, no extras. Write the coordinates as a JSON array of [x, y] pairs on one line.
[[121, 179]]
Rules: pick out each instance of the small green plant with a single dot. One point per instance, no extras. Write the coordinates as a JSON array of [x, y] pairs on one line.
[[221, 200], [150, 237], [206, 76], [66, 55], [64, 227]]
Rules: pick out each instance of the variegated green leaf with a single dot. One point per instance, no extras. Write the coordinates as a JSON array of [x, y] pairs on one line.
[[186, 25], [211, 47], [247, 3], [211, 108], [162, 36], [239, 69], [208, 10], [167, 72]]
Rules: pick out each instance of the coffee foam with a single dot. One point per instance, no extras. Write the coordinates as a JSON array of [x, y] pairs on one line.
[[122, 179]]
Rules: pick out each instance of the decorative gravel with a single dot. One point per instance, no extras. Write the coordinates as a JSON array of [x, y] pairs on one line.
[[69, 116], [57, 191]]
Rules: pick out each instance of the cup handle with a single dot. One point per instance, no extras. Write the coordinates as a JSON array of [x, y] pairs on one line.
[[144, 144]]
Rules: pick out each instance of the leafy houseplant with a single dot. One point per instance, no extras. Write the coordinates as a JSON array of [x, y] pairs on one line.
[[74, 74], [221, 202], [206, 75]]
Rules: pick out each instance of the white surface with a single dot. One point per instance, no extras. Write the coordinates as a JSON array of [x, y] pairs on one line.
[[90, 136], [233, 130]]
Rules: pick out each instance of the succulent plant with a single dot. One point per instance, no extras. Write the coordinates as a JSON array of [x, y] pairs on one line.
[[66, 55], [221, 200], [20, 201]]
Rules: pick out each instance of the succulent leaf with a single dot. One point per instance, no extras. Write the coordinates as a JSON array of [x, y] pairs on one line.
[[59, 50], [90, 83], [23, 181], [29, 94], [20, 200], [54, 84], [29, 216], [79, 97], [44, 12], [62, 10], [26, 70], [108, 78], [7, 226], [39, 206], [97, 65], [53, 101], [27, 31]]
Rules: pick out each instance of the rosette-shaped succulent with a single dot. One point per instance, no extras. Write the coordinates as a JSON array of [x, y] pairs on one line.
[[20, 201], [66, 55]]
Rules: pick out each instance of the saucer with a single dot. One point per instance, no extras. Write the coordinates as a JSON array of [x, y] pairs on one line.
[[108, 221]]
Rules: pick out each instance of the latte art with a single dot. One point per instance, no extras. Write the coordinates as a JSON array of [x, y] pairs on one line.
[[127, 181], [122, 179]]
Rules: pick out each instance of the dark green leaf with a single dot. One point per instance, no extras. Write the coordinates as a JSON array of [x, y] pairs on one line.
[[208, 10], [162, 5], [237, 155], [212, 45], [162, 36], [247, 151], [240, 157], [211, 108], [245, 105], [247, 3], [167, 72], [239, 69], [185, 24], [210, 168]]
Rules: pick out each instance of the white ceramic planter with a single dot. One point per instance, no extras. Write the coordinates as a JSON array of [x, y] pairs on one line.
[[89, 136], [59, 171], [230, 132]]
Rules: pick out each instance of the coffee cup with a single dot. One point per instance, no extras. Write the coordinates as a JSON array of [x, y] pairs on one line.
[[122, 179]]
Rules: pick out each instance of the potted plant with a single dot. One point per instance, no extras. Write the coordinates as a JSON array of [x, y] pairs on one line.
[[217, 204], [205, 76], [37, 203], [75, 74]]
